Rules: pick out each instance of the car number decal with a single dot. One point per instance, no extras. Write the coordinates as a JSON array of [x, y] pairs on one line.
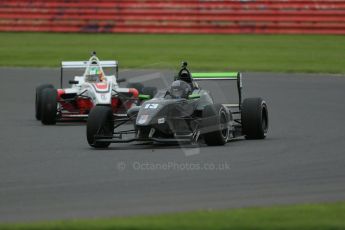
[[151, 106]]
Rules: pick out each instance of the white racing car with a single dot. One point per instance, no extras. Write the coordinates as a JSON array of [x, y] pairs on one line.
[[91, 89]]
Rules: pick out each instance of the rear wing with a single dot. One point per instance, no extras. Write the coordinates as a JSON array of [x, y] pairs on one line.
[[84, 64], [236, 76]]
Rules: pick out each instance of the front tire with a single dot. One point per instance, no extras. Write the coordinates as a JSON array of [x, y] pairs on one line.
[[99, 122], [38, 99], [215, 124], [254, 115], [48, 106]]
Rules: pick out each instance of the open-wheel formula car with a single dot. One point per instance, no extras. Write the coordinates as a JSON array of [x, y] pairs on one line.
[[93, 88], [183, 113]]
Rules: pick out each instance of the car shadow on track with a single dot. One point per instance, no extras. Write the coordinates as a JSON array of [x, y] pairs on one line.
[[71, 123], [158, 146]]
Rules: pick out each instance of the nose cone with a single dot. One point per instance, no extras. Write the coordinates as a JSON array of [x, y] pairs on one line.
[[148, 111], [153, 110]]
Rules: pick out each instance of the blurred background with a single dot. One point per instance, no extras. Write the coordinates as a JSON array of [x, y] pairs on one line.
[[259, 35], [175, 16], [291, 53]]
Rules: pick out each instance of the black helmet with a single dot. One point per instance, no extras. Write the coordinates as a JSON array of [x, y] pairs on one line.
[[180, 89], [185, 76]]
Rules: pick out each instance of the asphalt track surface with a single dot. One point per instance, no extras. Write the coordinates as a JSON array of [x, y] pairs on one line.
[[50, 172]]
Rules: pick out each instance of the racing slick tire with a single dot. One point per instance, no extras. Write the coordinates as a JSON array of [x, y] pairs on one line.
[[215, 124], [148, 90], [101, 122], [38, 99], [48, 106], [254, 115]]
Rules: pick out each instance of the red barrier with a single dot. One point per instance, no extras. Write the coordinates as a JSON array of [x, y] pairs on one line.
[[336, 4], [175, 16]]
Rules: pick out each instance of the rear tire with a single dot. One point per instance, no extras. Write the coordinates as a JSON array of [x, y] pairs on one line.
[[38, 99], [99, 122], [215, 124], [254, 115], [48, 106]]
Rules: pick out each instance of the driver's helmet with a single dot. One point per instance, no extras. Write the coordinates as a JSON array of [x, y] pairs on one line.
[[185, 76], [94, 74], [180, 89]]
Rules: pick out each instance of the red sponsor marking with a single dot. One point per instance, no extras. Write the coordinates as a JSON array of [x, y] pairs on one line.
[[101, 85], [134, 92], [115, 104], [59, 93], [84, 105]]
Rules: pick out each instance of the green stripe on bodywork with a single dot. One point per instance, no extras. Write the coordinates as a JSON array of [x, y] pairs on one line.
[[215, 75], [144, 97], [194, 96]]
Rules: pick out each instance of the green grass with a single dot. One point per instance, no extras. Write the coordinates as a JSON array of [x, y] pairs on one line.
[[301, 217], [273, 53]]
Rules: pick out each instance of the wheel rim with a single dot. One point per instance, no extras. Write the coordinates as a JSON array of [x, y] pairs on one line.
[[223, 125], [264, 122]]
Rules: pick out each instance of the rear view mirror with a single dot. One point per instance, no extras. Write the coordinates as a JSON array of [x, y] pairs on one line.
[[194, 96], [73, 82], [119, 80]]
